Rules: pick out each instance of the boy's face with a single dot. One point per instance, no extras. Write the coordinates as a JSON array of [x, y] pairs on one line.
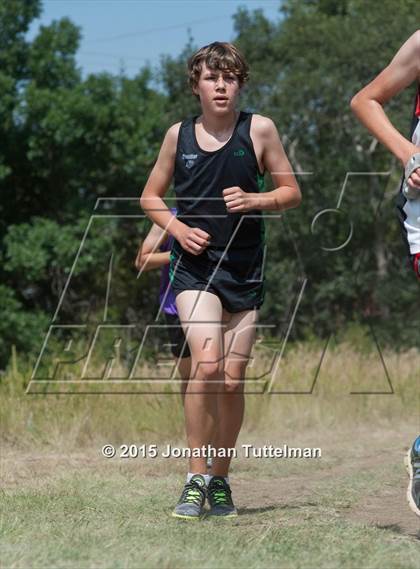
[[218, 90]]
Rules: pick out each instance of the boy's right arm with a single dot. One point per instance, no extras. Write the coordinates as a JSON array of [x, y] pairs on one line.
[[192, 239], [368, 103]]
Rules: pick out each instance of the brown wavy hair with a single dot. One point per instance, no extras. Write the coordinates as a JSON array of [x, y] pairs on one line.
[[221, 56]]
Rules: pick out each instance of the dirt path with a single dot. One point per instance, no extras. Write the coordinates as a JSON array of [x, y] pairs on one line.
[[298, 487], [386, 510]]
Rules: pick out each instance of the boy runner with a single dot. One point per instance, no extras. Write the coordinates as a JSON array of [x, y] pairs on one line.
[[218, 160], [403, 70]]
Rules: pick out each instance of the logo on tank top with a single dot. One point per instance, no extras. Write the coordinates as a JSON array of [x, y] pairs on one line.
[[240, 152], [189, 159]]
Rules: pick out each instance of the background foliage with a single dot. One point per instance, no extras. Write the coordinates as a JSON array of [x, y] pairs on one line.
[[66, 141]]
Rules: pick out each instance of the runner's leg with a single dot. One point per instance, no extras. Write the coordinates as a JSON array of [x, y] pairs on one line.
[[239, 337], [184, 369], [200, 313]]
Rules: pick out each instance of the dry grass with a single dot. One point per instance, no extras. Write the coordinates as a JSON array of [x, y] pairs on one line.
[[67, 506], [80, 420]]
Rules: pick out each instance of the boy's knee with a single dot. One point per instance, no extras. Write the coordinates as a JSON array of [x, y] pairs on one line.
[[233, 385], [210, 370], [236, 370], [235, 375]]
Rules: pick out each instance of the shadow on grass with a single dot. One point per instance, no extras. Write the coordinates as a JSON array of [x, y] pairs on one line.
[[262, 509], [395, 528]]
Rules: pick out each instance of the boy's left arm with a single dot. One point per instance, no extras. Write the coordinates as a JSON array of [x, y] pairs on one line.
[[286, 194]]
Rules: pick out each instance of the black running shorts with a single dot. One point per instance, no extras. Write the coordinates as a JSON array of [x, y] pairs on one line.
[[235, 276], [177, 337]]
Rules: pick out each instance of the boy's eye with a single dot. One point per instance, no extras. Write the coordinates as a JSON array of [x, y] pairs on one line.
[[225, 77]]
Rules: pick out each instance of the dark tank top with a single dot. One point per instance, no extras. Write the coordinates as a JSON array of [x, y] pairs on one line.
[[201, 176]]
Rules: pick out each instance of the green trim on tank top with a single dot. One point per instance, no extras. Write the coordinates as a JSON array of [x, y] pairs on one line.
[[261, 182], [171, 269], [261, 188]]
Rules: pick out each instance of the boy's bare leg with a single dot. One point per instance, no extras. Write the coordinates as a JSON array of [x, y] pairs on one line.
[[239, 337], [200, 314], [184, 369]]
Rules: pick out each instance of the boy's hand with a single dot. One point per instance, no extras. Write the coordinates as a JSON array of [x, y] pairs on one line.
[[414, 180], [238, 201], [193, 239]]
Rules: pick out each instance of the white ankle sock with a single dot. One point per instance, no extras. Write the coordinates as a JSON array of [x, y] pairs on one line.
[[207, 477]]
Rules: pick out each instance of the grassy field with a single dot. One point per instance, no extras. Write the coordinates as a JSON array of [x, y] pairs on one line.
[[64, 505]]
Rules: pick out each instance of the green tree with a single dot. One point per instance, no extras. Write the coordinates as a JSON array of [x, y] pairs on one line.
[[307, 68], [65, 142]]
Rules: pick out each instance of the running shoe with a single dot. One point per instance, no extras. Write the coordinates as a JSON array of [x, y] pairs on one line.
[[220, 499], [413, 467], [193, 497]]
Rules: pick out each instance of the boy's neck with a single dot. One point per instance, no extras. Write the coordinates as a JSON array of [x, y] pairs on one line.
[[218, 125]]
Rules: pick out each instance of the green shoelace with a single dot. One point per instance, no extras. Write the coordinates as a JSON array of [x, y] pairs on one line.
[[220, 495], [191, 494]]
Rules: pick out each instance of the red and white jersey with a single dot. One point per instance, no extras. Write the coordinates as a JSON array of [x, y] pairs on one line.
[[415, 137], [409, 209]]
